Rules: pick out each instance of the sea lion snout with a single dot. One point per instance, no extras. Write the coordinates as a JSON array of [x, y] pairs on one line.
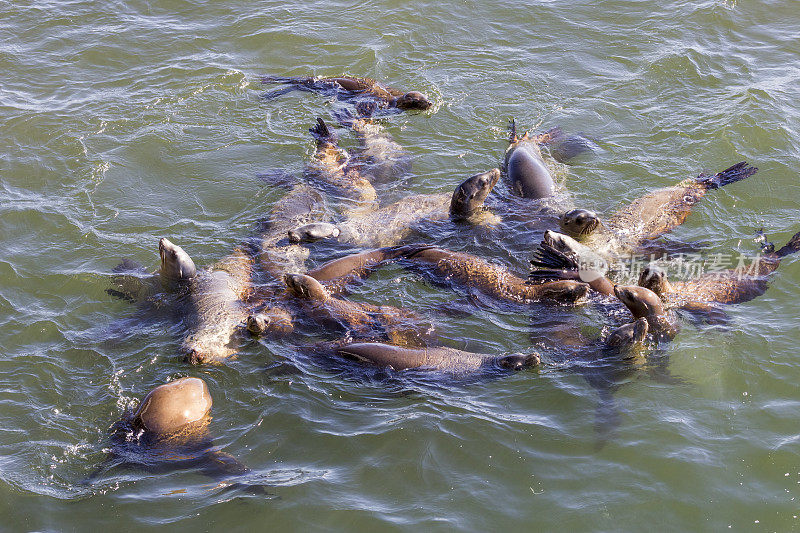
[[518, 361], [413, 100], [579, 222], [653, 277]]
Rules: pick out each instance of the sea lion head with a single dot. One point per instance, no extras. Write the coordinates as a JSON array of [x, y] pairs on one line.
[[412, 100], [305, 287], [172, 406], [654, 277], [176, 265], [640, 301], [272, 320], [469, 196], [579, 223], [314, 231], [518, 361], [629, 334]]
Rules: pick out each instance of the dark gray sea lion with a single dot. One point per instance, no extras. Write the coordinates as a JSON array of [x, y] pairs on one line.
[[350, 88], [364, 321], [648, 217], [728, 286], [644, 303], [527, 173], [169, 429], [390, 225], [433, 358], [493, 280]]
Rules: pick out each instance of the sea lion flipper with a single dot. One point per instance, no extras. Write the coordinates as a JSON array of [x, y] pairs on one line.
[[735, 173], [320, 130], [512, 130]]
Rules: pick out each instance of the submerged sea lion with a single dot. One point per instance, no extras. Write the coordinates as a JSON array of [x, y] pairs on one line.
[[434, 358], [337, 274], [169, 428], [648, 217], [398, 326], [380, 156], [389, 225], [350, 88], [493, 280], [301, 205], [729, 286]]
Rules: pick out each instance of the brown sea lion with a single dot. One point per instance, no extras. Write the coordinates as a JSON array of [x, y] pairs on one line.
[[169, 428], [648, 217], [729, 286], [398, 326], [390, 225], [379, 155], [350, 88], [433, 358], [333, 169], [644, 303], [493, 280], [337, 274]]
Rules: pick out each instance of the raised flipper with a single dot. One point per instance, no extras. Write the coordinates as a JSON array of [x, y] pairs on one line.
[[737, 172], [321, 132]]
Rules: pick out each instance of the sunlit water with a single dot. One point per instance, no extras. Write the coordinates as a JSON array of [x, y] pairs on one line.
[[126, 122]]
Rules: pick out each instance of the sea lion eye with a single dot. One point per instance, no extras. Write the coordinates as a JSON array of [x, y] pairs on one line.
[[688, 199]]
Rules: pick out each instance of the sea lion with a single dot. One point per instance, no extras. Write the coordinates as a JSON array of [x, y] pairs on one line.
[[332, 168], [169, 428], [337, 274], [350, 88], [630, 334], [493, 280], [215, 309], [379, 155], [301, 205], [648, 217], [390, 225], [439, 358], [133, 283], [730, 286], [398, 326], [644, 303], [527, 173]]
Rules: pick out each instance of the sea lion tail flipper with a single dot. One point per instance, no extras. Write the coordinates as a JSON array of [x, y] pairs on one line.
[[791, 247], [278, 177], [512, 130], [737, 172], [320, 131]]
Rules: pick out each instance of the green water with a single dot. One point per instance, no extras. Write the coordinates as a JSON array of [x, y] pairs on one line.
[[127, 121]]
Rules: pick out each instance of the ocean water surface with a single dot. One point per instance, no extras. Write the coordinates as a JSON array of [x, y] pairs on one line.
[[124, 122]]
